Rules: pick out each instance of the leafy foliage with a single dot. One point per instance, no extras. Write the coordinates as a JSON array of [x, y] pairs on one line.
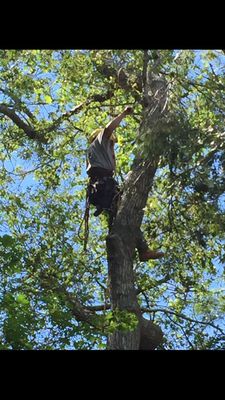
[[42, 187]]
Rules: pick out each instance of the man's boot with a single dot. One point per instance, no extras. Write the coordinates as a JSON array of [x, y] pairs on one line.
[[150, 255], [98, 211]]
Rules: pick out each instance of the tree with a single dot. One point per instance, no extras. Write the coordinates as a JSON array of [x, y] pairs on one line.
[[53, 294]]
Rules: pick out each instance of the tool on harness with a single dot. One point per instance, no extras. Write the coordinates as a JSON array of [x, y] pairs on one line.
[[102, 193]]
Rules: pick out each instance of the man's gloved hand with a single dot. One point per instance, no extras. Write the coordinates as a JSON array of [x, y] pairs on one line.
[[128, 110]]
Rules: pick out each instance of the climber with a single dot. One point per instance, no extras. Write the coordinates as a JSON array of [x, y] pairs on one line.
[[103, 189]]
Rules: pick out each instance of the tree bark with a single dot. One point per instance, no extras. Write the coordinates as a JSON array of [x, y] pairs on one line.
[[121, 244], [121, 241]]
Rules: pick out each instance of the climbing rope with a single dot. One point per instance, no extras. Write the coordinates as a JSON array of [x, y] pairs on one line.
[[85, 220]]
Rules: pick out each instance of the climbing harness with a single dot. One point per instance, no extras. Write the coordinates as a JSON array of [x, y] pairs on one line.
[[85, 220], [103, 193]]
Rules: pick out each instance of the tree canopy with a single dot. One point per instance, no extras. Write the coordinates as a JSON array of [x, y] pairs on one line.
[[53, 294]]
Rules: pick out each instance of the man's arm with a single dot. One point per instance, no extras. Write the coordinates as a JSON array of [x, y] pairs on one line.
[[112, 125]]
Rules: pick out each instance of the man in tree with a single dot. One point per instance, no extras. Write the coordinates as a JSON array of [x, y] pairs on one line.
[[103, 188]]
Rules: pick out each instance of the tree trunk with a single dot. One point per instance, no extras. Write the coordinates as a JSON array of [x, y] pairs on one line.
[[121, 244], [121, 241]]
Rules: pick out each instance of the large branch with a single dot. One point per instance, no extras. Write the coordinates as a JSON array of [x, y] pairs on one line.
[[121, 77], [101, 307], [18, 103], [80, 312], [28, 130], [40, 135]]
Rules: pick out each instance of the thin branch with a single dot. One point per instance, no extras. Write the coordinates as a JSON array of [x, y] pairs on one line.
[[184, 333], [67, 115], [180, 315], [64, 117], [196, 85], [156, 283], [202, 161]]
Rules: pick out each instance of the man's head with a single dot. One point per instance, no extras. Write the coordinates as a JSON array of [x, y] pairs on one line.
[[113, 138], [96, 132]]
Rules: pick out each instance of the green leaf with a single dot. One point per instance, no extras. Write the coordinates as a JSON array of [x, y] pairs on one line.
[[21, 298], [43, 192], [7, 240], [48, 99]]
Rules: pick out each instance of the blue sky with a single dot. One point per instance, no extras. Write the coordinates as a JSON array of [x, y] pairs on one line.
[[29, 180]]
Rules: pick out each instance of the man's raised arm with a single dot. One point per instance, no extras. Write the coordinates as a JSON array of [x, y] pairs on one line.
[[112, 125]]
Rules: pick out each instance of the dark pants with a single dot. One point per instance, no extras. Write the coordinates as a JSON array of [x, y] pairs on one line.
[[104, 193]]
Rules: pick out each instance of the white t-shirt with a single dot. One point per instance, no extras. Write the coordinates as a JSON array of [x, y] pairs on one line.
[[101, 153]]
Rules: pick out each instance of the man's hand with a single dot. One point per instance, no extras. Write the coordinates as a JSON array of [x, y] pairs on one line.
[[128, 110], [111, 126]]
